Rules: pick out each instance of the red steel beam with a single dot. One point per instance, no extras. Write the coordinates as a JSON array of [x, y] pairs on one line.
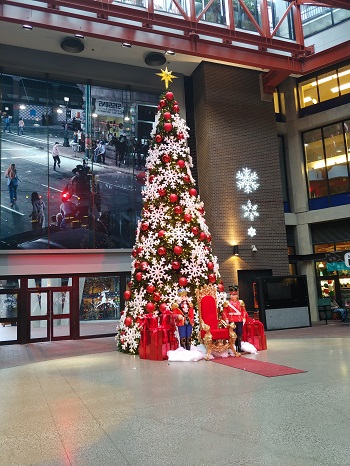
[[342, 4]]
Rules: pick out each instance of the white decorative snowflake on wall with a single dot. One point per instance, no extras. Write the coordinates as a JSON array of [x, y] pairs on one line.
[[251, 232], [247, 180], [250, 210]]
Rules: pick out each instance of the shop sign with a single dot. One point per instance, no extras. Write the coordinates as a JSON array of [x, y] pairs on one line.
[[109, 107], [338, 261]]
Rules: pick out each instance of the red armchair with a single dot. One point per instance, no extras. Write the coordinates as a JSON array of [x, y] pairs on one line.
[[216, 335]]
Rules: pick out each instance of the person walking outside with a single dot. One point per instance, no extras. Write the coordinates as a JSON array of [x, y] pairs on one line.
[[20, 127], [56, 156], [37, 215], [12, 182]]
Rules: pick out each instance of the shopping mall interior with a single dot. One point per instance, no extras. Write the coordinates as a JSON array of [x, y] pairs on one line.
[[263, 88]]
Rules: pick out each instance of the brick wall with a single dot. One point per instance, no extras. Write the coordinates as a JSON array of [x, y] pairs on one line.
[[236, 130]]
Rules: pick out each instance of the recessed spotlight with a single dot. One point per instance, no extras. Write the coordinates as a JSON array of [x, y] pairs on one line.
[[170, 52], [27, 26], [79, 36], [126, 44]]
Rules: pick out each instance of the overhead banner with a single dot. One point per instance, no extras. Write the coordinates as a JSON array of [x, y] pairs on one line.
[[108, 107]]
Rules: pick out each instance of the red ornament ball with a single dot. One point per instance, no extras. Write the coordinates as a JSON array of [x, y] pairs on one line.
[[187, 218], [161, 192], [151, 178], [150, 289], [180, 136], [158, 138], [201, 210], [178, 209], [177, 250], [128, 321], [208, 238], [187, 179], [169, 96], [144, 265], [166, 158], [134, 253], [176, 265], [195, 231], [181, 163], [167, 115], [173, 197], [176, 108], [202, 236], [127, 295], [168, 127], [163, 307], [192, 192], [139, 250], [162, 103], [212, 278], [210, 265], [161, 233], [157, 296], [144, 226], [150, 307], [183, 281], [221, 287], [161, 251]]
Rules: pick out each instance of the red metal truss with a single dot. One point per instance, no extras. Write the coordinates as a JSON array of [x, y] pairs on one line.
[[342, 4], [184, 32]]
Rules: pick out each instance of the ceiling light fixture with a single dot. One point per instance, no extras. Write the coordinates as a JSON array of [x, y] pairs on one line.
[[126, 44], [79, 36], [27, 26], [72, 45], [155, 59], [170, 52]]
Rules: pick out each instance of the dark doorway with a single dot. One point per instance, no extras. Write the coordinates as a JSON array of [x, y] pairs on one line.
[[246, 279]]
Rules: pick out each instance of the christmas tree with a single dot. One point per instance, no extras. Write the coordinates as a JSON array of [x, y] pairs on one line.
[[173, 248]]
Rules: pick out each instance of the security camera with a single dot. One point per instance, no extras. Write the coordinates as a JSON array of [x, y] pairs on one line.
[[254, 248]]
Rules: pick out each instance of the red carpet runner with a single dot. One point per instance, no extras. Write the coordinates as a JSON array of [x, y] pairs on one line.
[[266, 369]]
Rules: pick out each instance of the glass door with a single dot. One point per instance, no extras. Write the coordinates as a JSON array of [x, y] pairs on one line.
[[49, 315]]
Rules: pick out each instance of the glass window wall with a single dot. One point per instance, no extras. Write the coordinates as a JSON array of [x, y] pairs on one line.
[[99, 299], [326, 86], [327, 162], [73, 156]]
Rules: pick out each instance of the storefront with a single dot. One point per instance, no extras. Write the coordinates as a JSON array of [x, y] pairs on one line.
[[52, 308]]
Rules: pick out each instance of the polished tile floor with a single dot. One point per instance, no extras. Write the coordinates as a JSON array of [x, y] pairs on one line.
[[82, 403]]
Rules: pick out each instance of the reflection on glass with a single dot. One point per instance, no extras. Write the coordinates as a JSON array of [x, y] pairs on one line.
[[315, 163], [38, 304], [38, 329], [61, 328], [324, 87], [93, 192], [8, 306], [336, 159], [8, 331], [99, 304], [60, 302]]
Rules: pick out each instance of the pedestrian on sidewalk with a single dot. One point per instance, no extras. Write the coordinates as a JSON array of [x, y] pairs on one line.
[[20, 127], [12, 182], [56, 156], [37, 215]]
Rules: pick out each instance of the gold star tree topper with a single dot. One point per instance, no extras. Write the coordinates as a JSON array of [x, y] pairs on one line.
[[166, 76]]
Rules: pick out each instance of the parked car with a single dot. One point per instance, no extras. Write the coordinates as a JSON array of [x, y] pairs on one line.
[[73, 124]]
